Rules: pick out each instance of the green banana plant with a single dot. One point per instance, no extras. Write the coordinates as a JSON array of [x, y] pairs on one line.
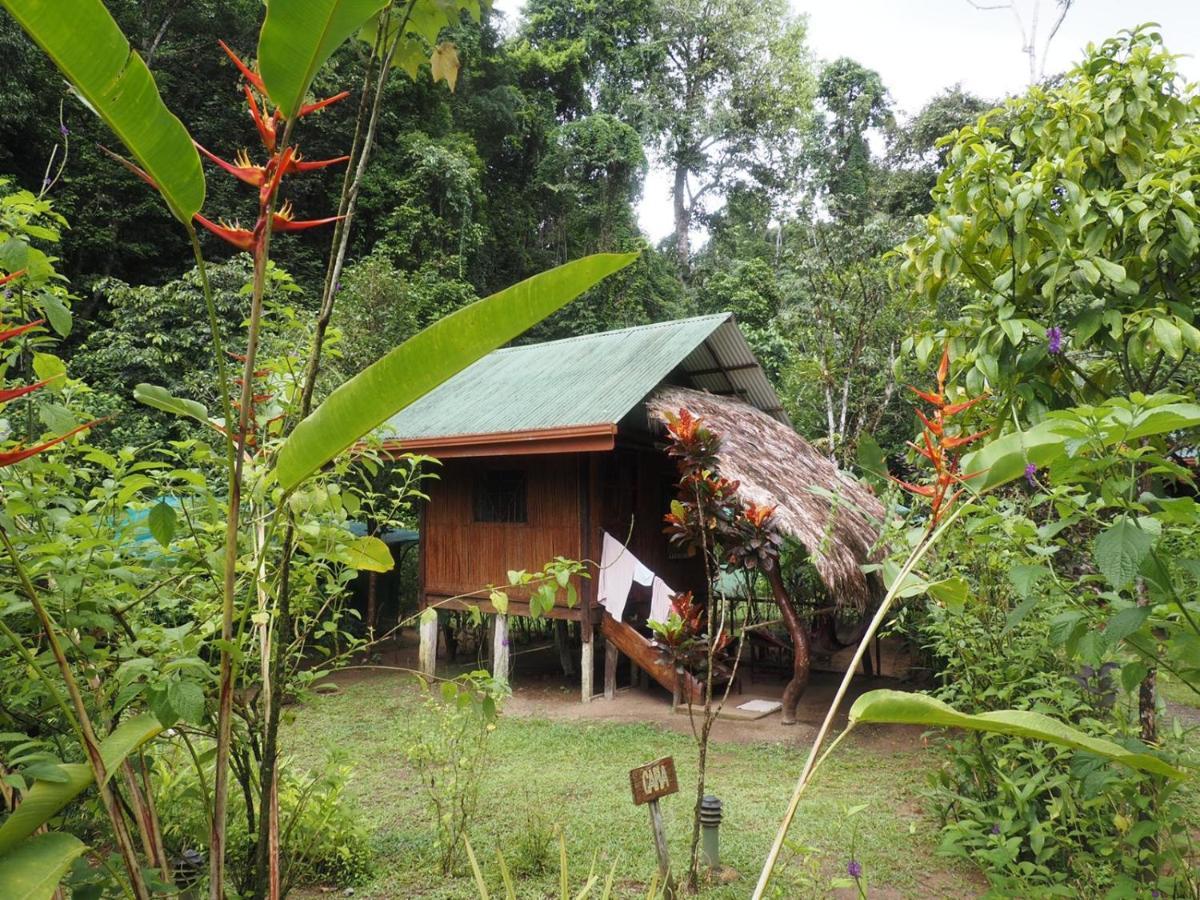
[[31, 865], [85, 43], [298, 36], [901, 708], [430, 357]]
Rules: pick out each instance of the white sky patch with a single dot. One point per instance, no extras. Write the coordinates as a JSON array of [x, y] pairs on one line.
[[920, 47]]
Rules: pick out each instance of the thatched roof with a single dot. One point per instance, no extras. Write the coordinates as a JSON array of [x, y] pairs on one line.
[[777, 467]]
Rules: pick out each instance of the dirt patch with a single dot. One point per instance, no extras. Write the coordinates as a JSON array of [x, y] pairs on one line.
[[540, 690]]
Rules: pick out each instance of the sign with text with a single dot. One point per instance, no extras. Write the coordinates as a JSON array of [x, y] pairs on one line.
[[653, 780]]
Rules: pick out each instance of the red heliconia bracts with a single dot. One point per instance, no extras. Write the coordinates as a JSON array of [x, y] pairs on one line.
[[266, 177], [19, 452], [937, 446]]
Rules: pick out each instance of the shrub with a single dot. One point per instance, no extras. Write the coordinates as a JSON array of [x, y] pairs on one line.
[[450, 756], [322, 838], [1040, 820]]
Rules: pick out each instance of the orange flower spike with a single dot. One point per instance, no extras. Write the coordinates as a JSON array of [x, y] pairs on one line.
[[943, 368], [5, 279], [953, 443], [297, 166], [279, 169], [923, 490], [956, 408], [20, 453], [249, 74], [935, 426], [241, 169], [282, 220], [19, 330], [935, 399], [267, 129], [242, 238], [14, 393], [321, 104]]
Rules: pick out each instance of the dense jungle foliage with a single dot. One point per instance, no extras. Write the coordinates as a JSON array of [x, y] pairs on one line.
[[171, 577]]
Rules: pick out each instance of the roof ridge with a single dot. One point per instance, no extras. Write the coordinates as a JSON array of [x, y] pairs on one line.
[[615, 331]]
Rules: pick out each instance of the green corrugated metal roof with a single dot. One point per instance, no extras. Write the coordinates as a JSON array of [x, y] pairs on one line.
[[590, 380]]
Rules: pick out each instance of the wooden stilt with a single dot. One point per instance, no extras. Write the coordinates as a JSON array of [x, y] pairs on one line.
[[562, 642], [611, 656], [501, 661], [587, 667], [429, 642]]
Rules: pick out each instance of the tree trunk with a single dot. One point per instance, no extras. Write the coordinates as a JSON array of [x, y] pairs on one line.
[[802, 658], [683, 221]]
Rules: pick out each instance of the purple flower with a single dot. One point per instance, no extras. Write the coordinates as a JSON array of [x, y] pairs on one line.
[[1054, 338], [996, 828], [854, 869], [1031, 474], [63, 129]]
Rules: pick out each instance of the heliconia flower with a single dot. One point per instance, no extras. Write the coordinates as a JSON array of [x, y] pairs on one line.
[[5, 279], [242, 238], [19, 330], [249, 74], [13, 393], [321, 104], [938, 445], [282, 220], [278, 168], [298, 166], [268, 128], [241, 168], [18, 453]]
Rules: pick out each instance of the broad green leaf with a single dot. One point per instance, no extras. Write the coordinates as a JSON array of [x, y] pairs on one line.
[[902, 708], [430, 357], [45, 799], [48, 367], [1125, 623], [1005, 458], [1120, 551], [500, 601], [33, 870], [1168, 337], [162, 522], [369, 554], [161, 398], [82, 39], [298, 36], [951, 592], [187, 699]]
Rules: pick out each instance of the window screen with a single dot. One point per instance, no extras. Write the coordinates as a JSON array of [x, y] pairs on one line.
[[500, 496]]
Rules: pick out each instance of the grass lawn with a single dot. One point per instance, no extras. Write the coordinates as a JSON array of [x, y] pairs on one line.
[[576, 774]]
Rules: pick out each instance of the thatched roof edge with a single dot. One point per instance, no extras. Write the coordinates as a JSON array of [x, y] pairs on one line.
[[830, 512]]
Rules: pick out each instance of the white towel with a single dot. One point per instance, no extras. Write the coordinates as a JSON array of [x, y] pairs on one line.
[[642, 575], [617, 566], [660, 600]]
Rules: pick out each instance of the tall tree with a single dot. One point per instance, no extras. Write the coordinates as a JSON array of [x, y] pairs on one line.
[[726, 101], [853, 102]]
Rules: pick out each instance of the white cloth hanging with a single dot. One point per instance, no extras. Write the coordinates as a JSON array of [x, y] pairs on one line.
[[642, 575], [660, 600], [617, 568]]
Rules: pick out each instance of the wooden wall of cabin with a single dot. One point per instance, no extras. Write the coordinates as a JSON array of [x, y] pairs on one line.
[[636, 486], [462, 555]]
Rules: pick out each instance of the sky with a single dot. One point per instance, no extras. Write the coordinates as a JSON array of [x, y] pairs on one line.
[[920, 47]]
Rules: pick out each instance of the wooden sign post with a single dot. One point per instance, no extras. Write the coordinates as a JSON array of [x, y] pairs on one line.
[[650, 783]]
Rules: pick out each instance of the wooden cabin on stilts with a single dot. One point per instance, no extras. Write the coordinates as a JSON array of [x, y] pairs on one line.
[[546, 449]]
